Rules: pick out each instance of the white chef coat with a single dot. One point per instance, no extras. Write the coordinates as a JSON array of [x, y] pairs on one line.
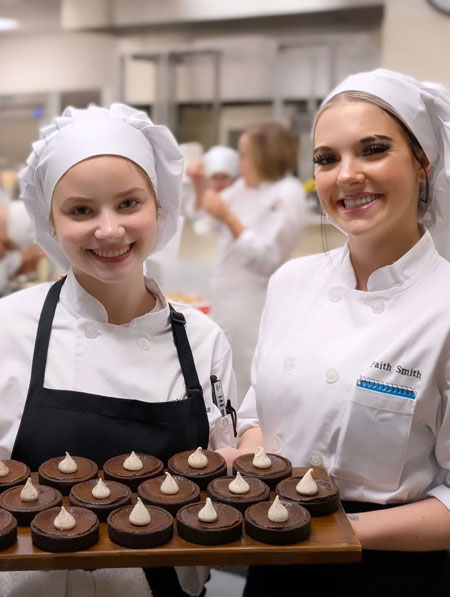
[[19, 230], [274, 214], [319, 335], [87, 354], [19, 226], [9, 264]]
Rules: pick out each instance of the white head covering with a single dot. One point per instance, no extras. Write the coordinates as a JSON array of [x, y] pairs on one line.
[[221, 159], [425, 109], [82, 133]]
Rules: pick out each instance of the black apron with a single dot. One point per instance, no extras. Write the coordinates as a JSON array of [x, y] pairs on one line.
[[380, 573], [100, 427]]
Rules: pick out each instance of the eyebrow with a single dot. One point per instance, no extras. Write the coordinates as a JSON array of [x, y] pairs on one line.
[[361, 141], [117, 195]]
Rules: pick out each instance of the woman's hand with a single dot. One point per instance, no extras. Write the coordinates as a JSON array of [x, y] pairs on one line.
[[419, 526], [249, 442], [213, 203], [230, 454], [196, 171]]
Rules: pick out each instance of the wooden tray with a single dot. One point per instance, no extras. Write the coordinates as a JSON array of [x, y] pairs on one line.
[[331, 541]]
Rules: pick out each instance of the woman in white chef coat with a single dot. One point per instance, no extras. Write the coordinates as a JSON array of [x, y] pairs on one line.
[[18, 254], [259, 219], [353, 365], [99, 363]]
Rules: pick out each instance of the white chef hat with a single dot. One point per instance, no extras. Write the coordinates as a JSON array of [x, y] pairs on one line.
[[79, 134], [425, 109], [221, 159]]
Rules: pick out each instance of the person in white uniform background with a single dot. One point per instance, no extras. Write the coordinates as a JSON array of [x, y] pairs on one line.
[[259, 219], [216, 170], [102, 187], [353, 361], [18, 254]]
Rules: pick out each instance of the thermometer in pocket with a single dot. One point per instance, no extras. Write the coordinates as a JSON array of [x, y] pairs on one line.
[[217, 395]]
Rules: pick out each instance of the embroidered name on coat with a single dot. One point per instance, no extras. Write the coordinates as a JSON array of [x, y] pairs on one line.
[[408, 371]]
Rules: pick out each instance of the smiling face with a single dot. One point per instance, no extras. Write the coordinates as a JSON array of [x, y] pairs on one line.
[[366, 174], [104, 215]]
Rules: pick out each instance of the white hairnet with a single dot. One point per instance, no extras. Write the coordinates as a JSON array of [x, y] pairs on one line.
[[425, 109], [221, 159], [82, 133]]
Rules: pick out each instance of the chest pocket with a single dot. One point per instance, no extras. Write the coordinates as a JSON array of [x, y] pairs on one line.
[[374, 436]]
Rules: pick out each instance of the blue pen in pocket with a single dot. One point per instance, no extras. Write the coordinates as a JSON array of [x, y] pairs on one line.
[[386, 388]]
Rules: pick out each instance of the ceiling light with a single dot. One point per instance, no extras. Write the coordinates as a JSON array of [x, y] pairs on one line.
[[8, 24]]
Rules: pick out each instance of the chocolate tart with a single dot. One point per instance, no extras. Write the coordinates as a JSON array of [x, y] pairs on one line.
[[150, 493], [24, 512], [216, 467], [49, 473], [281, 469], [113, 470], [8, 529], [322, 503], [18, 474], [81, 496], [158, 531], [83, 535], [258, 492], [226, 528], [295, 529]]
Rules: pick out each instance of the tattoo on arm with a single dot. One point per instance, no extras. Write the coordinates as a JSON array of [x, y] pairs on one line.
[[353, 516]]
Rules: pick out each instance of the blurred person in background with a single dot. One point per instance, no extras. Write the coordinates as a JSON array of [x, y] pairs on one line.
[[18, 254], [259, 219], [216, 170]]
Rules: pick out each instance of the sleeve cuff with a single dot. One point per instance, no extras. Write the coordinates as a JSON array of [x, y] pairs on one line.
[[442, 493]]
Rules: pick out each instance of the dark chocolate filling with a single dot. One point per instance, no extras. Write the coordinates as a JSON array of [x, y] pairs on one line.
[[86, 521]]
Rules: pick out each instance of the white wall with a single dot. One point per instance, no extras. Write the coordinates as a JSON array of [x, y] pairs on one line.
[[416, 40], [56, 62]]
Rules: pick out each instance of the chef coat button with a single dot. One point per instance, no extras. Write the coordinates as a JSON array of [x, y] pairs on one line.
[[275, 444], [316, 459], [334, 295], [144, 343], [90, 331], [289, 364], [331, 375], [377, 306]]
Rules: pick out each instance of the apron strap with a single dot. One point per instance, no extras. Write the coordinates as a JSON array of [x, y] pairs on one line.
[[43, 335], [184, 351]]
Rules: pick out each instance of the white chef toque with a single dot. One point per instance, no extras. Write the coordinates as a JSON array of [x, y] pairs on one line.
[[79, 134], [221, 159]]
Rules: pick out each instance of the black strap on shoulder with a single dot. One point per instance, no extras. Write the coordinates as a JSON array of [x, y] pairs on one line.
[[184, 351], [43, 334]]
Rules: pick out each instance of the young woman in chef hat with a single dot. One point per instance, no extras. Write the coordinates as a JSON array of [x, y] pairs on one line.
[[99, 364], [353, 367], [259, 219]]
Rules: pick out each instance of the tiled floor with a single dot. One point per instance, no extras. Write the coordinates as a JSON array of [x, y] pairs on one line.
[[224, 583]]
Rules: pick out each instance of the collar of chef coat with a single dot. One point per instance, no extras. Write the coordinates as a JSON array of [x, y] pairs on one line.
[[81, 304], [412, 264]]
